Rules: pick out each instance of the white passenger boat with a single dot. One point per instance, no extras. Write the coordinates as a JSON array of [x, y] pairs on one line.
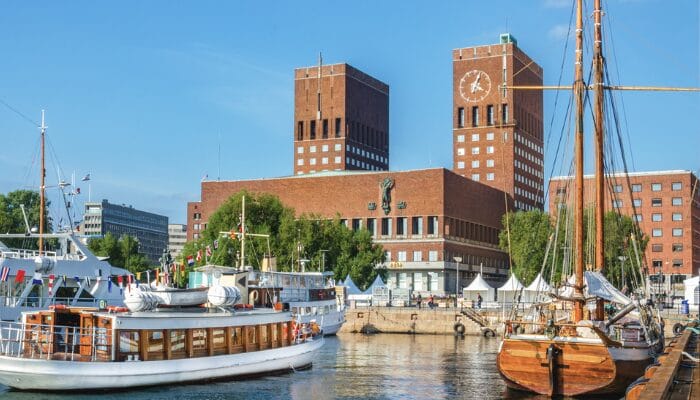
[[69, 275], [70, 348]]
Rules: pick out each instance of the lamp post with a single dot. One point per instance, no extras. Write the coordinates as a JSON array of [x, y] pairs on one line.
[[458, 260]]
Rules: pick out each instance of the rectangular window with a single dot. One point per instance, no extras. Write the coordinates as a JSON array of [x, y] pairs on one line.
[[337, 147], [312, 161], [177, 344], [475, 137], [312, 149], [401, 226], [677, 232], [637, 187], [475, 150], [677, 201], [371, 226], [325, 129], [638, 217], [432, 255], [356, 224], [677, 217], [490, 163], [324, 160], [618, 188], [417, 255], [677, 263], [656, 217], [300, 130], [300, 150], [475, 177], [475, 164], [460, 151], [656, 232], [504, 113], [300, 161], [475, 116], [489, 136], [386, 226], [656, 202], [312, 126], [432, 225], [324, 148], [676, 186], [490, 176], [338, 131], [387, 256], [656, 248], [460, 117], [655, 187], [460, 164], [489, 149], [402, 256], [637, 202], [417, 225], [676, 247], [489, 115], [617, 203], [460, 138]]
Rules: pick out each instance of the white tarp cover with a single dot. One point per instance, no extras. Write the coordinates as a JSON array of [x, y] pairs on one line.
[[510, 289], [479, 286], [597, 285], [378, 282], [352, 287], [691, 285]]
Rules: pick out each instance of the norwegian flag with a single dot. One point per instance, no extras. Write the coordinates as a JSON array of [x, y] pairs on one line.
[[190, 261], [5, 274]]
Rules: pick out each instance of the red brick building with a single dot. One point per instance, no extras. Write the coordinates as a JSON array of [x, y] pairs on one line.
[[666, 204], [498, 132], [341, 120]]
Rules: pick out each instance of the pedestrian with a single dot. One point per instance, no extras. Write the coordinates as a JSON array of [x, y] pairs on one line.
[[431, 302], [419, 300], [478, 300]]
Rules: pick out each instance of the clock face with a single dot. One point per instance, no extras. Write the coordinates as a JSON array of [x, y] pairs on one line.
[[474, 85]]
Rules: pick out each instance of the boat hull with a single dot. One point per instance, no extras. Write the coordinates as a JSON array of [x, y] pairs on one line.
[[577, 368], [31, 374]]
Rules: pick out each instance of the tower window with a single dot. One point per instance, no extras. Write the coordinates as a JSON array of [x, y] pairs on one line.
[[325, 129], [312, 134], [475, 116], [489, 115], [337, 127], [300, 130], [460, 117], [504, 112]]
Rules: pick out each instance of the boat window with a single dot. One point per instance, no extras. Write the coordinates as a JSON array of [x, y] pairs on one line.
[[199, 342], [129, 342], [177, 344], [274, 336], [219, 341], [264, 334], [155, 345], [236, 336]]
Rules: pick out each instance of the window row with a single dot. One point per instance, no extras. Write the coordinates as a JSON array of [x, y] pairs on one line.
[[656, 202], [324, 161], [537, 159], [324, 128], [363, 165], [658, 265], [490, 176], [416, 255], [386, 225], [529, 195], [471, 231], [365, 153], [324, 148], [475, 114], [659, 247], [658, 217], [528, 143], [655, 187], [526, 168], [659, 232]]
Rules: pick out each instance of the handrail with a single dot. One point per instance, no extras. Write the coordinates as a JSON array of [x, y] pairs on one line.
[[39, 341]]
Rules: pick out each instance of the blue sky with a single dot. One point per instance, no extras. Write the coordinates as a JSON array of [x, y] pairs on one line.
[[141, 94]]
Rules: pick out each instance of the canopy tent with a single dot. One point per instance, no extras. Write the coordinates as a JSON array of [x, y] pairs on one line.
[[479, 287], [537, 290], [509, 291], [378, 283], [352, 287]]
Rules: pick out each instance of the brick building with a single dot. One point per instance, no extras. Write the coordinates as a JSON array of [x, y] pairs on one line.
[[433, 215], [666, 205], [498, 132], [341, 118]]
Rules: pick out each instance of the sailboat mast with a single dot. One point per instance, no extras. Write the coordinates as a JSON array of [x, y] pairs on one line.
[[42, 200], [599, 138], [579, 88], [243, 234]]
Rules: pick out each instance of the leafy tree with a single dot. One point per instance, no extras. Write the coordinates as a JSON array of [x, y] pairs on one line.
[[618, 230], [529, 233], [12, 220], [122, 252]]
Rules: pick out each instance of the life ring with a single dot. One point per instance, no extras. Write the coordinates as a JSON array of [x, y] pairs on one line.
[[678, 328], [459, 328], [243, 306], [58, 307], [116, 309], [253, 297], [488, 332]]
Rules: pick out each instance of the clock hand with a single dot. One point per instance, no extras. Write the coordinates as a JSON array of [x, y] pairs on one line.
[[475, 84]]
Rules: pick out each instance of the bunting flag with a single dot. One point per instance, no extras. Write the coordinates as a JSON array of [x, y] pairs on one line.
[[20, 276], [208, 251], [5, 273], [129, 279], [138, 276], [216, 244], [37, 280], [109, 285], [65, 280], [182, 270], [51, 279], [190, 261], [199, 255]]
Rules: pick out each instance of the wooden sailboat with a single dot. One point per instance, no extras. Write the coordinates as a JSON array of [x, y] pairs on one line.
[[572, 348]]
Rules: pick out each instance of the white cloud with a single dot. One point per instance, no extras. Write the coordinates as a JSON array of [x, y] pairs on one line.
[[558, 32]]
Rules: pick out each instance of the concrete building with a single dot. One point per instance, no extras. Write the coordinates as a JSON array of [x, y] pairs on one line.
[[498, 132], [177, 237], [341, 118], [666, 205], [151, 230]]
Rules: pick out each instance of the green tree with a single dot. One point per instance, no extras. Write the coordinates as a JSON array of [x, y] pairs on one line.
[[122, 252], [12, 220], [527, 242], [618, 230]]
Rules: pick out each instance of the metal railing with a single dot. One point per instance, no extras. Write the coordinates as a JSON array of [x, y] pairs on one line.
[[35, 301], [69, 343]]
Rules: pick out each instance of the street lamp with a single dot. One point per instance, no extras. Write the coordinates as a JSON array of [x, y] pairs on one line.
[[458, 260]]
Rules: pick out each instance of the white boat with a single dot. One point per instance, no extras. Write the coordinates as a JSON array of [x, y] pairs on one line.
[[70, 275], [310, 296], [68, 348]]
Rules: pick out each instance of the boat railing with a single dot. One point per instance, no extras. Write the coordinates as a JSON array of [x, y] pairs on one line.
[[42, 302], [27, 253], [52, 342]]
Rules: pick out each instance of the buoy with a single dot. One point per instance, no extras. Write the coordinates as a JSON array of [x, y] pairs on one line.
[[678, 328], [57, 307], [488, 332], [459, 328]]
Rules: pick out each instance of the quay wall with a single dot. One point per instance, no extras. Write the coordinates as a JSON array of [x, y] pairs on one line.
[[438, 321]]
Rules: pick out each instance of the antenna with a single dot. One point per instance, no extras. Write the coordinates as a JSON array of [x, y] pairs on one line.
[[42, 187], [318, 91]]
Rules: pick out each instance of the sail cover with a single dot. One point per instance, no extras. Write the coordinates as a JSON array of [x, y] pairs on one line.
[[597, 285]]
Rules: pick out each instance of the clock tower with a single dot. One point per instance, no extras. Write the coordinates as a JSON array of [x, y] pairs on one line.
[[497, 132]]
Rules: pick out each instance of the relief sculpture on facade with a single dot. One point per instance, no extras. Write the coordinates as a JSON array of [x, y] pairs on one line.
[[387, 184]]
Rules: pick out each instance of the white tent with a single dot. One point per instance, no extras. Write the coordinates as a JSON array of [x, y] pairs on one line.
[[479, 286], [378, 283], [537, 290], [508, 292], [352, 287], [692, 291]]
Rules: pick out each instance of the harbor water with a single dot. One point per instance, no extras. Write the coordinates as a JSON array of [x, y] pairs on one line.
[[353, 366]]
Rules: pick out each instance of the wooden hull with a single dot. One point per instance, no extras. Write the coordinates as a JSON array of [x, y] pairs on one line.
[[574, 368]]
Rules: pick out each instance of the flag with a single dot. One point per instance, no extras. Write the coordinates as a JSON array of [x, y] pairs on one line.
[[199, 255], [20, 275], [37, 280], [208, 251], [109, 285], [216, 244], [190, 261], [51, 279], [86, 178], [5, 274]]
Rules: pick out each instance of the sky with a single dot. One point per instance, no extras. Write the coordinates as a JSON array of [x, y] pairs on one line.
[[143, 94]]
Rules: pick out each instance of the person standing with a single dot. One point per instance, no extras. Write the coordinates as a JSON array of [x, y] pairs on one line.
[[478, 300], [419, 300]]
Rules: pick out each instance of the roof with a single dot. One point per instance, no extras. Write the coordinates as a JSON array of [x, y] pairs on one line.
[[478, 284], [512, 284]]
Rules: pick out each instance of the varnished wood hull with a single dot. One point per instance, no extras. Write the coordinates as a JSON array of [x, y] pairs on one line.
[[577, 368]]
